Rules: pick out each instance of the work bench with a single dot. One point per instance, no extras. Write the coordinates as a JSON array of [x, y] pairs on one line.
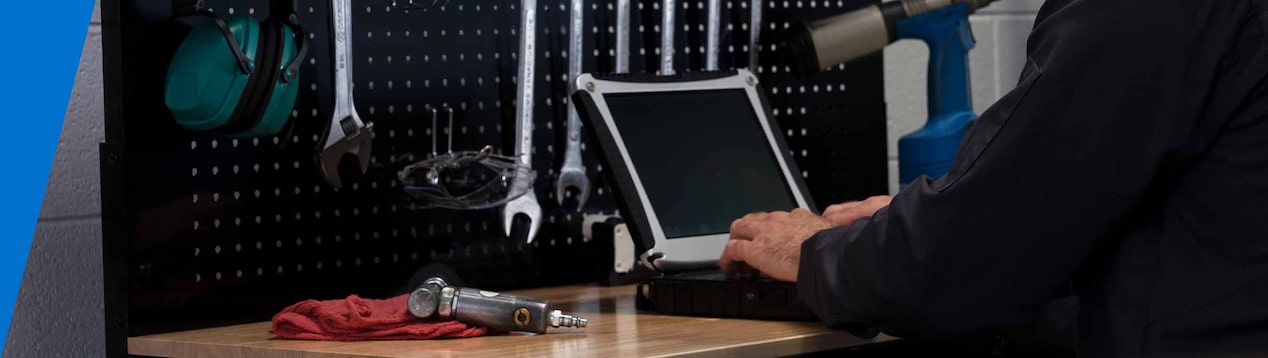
[[616, 330], [202, 232]]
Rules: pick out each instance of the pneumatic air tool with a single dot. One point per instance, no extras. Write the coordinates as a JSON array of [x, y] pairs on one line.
[[497, 311], [944, 26]]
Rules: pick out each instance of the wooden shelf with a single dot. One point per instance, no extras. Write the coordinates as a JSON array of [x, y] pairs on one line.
[[616, 330]]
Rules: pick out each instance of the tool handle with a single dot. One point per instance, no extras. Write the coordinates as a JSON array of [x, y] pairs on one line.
[[713, 33], [341, 24], [576, 50], [527, 75], [668, 9], [622, 36], [930, 150], [946, 31], [755, 34]]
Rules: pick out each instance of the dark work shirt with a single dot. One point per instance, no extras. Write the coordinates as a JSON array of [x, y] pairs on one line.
[[1128, 167]]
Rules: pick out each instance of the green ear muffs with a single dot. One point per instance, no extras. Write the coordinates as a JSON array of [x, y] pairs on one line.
[[236, 77]]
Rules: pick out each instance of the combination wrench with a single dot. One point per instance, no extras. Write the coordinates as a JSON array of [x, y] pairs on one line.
[[525, 204], [347, 133], [573, 173]]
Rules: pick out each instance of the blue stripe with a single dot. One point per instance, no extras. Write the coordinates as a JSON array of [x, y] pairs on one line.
[[42, 45]]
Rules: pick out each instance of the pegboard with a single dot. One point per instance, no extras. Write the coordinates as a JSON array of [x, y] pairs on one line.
[[203, 230]]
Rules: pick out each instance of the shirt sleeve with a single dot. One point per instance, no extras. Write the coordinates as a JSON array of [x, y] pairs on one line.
[[1107, 100]]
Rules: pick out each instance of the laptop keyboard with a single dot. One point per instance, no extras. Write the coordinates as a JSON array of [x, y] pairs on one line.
[[703, 275], [718, 275]]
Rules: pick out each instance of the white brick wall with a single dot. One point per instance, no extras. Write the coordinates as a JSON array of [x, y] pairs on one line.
[[59, 311], [995, 63]]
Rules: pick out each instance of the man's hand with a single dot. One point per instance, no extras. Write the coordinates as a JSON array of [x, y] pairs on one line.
[[770, 242], [846, 213]]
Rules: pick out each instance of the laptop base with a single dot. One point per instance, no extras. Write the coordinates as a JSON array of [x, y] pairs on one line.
[[711, 294]]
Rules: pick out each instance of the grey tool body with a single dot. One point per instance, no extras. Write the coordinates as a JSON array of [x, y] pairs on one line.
[[845, 37], [501, 312]]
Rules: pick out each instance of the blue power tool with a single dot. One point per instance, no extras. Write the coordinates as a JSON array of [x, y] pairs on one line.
[[944, 26], [930, 150]]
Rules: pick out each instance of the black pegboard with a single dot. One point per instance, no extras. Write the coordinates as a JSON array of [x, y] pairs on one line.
[[203, 231]]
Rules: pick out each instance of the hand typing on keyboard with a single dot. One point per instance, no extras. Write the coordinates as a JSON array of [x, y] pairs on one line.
[[846, 213], [770, 242]]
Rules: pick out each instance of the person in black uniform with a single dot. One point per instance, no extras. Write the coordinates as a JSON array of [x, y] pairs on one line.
[[1129, 167]]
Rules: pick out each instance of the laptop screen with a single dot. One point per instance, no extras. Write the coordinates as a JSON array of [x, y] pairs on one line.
[[702, 156]]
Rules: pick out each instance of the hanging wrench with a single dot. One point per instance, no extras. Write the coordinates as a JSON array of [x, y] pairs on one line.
[[347, 134], [755, 34], [526, 204], [622, 36], [715, 20], [668, 9], [573, 173]]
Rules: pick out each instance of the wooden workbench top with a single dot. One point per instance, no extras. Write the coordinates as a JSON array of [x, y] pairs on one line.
[[615, 330]]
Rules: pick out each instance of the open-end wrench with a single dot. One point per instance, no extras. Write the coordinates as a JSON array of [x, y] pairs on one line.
[[526, 204], [347, 134], [573, 173]]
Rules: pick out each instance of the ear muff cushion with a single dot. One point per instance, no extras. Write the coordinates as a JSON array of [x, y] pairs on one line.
[[204, 83], [277, 111], [260, 87]]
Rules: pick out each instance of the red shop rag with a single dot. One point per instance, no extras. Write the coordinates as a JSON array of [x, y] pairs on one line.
[[360, 319]]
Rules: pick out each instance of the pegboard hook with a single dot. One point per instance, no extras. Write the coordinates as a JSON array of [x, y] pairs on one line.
[[434, 115], [449, 130]]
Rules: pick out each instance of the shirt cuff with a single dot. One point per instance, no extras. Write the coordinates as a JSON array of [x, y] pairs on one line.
[[816, 280]]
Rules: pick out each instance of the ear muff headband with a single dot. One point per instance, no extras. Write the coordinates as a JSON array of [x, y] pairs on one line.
[[293, 45], [260, 85], [244, 62], [268, 111], [301, 37]]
